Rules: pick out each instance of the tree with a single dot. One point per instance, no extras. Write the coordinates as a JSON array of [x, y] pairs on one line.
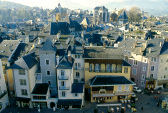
[[113, 17], [134, 14]]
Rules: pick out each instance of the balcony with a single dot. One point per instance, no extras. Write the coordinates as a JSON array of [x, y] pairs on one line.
[[2, 94], [64, 88], [123, 93], [63, 77], [106, 94]]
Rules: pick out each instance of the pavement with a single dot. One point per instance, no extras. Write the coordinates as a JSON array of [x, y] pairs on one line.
[[148, 103]]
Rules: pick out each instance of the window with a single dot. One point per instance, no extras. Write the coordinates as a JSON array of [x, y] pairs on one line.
[[142, 83], [77, 74], [22, 82], [144, 68], [62, 83], [165, 68], [49, 82], [76, 94], [127, 88], [151, 75], [62, 72], [90, 67], [153, 59], [79, 65], [63, 93], [143, 76], [152, 68], [126, 70], [119, 88], [135, 62], [47, 62], [24, 92], [75, 80], [108, 67], [21, 72], [48, 72], [76, 66], [97, 67], [134, 71]]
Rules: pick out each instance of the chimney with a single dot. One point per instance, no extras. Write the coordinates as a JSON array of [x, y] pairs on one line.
[[69, 53], [91, 44], [104, 45], [57, 58], [160, 44], [149, 50]]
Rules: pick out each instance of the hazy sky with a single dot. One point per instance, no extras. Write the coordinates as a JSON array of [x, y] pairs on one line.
[[75, 4]]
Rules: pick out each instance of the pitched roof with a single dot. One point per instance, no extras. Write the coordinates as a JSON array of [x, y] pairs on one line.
[[123, 15], [40, 88], [85, 22], [164, 49], [103, 53], [109, 80], [62, 27], [66, 63], [48, 46], [26, 62], [77, 87]]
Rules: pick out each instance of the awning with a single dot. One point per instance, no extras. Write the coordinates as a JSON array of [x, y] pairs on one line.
[[69, 102], [22, 99]]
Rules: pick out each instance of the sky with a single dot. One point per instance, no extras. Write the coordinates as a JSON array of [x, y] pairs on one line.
[[90, 4]]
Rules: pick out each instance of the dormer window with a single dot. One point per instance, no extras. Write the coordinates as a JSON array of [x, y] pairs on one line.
[[62, 72]]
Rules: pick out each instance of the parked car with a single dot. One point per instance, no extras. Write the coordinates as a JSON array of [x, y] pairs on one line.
[[136, 89]]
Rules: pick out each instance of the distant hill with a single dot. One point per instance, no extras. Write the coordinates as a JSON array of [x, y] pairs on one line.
[[11, 5]]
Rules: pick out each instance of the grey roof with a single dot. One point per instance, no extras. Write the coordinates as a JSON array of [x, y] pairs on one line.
[[77, 87], [7, 47], [103, 53], [123, 15], [59, 27], [109, 80], [48, 46], [66, 63], [26, 62], [154, 45], [164, 49], [40, 88]]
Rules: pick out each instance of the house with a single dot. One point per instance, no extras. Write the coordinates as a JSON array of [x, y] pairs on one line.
[[70, 93], [123, 18], [106, 62], [3, 90], [24, 79]]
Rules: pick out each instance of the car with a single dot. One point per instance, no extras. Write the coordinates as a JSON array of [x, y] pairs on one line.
[[136, 89]]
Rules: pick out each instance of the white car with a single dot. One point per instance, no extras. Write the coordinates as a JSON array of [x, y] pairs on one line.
[[136, 89]]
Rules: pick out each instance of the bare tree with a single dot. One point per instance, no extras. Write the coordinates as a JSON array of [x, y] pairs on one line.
[[134, 14]]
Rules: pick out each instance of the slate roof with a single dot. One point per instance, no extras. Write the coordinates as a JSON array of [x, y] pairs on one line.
[[26, 62], [123, 15], [109, 80], [154, 45], [40, 88], [125, 63], [59, 27], [48, 46], [67, 102], [7, 47], [103, 53], [164, 49], [77, 87], [66, 63]]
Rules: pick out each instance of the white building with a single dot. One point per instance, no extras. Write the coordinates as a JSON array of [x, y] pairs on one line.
[[70, 94], [24, 79], [3, 90]]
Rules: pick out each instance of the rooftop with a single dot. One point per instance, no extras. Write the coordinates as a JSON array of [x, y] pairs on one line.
[[109, 80]]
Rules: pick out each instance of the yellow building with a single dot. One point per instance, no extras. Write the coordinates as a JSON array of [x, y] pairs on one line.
[[107, 63]]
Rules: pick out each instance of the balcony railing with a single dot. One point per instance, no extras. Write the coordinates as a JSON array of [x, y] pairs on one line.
[[63, 77], [123, 92], [3, 94], [106, 94], [64, 88]]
